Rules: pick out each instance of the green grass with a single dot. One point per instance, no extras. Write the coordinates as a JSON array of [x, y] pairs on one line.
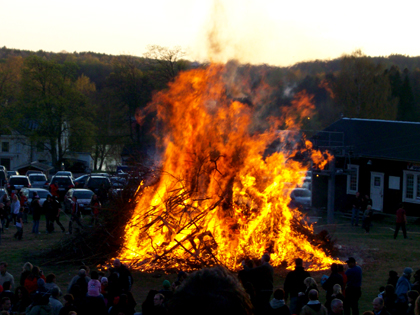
[[376, 253]]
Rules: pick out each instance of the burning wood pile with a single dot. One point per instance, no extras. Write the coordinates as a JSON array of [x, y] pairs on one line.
[[219, 199]]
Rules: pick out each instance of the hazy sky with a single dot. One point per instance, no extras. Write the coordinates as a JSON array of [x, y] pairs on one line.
[[258, 31]]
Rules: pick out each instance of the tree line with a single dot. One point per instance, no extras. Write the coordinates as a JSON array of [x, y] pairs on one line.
[[95, 101]]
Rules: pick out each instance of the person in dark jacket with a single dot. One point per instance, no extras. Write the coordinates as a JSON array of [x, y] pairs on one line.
[[390, 299], [148, 304], [166, 291], [294, 284], [353, 289], [124, 275], [52, 210], [36, 213], [22, 300], [393, 278], [334, 278], [68, 305], [262, 280]]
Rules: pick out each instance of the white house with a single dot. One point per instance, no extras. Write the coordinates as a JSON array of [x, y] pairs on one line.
[[17, 150]]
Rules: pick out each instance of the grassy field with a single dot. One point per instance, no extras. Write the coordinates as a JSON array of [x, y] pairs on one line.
[[376, 253]]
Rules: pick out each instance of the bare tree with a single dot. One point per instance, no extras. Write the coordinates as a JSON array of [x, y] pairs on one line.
[[166, 62]]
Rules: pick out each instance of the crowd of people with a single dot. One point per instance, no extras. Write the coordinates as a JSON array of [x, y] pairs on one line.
[[88, 292], [18, 212], [208, 291]]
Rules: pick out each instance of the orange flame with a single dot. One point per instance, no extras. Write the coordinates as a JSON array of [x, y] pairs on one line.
[[218, 199]]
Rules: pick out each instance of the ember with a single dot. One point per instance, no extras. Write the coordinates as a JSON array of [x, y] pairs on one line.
[[218, 199]]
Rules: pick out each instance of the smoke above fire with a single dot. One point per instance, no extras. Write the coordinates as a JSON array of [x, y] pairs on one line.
[[221, 196]]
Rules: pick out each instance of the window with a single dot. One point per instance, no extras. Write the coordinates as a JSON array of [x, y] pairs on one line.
[[18, 148], [353, 179], [5, 147], [411, 187]]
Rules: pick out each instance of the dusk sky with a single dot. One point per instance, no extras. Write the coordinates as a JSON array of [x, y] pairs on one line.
[[263, 31]]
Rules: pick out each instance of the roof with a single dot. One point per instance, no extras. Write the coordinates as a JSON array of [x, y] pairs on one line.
[[372, 138], [37, 165]]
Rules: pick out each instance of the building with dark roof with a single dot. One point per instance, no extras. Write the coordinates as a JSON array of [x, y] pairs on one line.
[[375, 157]]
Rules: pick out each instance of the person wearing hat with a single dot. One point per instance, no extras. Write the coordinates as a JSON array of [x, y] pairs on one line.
[[403, 286], [166, 291], [353, 288]]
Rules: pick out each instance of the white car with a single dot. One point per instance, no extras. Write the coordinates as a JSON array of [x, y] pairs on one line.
[[64, 173], [29, 193], [301, 196], [38, 181], [84, 197]]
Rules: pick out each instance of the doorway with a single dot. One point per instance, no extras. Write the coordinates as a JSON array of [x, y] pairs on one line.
[[377, 190]]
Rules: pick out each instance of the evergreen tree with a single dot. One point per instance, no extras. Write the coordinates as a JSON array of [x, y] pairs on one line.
[[407, 110]]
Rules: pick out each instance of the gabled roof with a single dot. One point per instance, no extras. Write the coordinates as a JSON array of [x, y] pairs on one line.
[[37, 165], [387, 139]]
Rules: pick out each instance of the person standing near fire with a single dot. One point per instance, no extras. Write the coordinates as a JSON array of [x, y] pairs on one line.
[[353, 289], [262, 280], [294, 284], [401, 222]]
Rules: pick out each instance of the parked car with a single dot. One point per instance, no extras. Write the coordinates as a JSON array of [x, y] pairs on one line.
[[3, 177], [39, 181], [301, 197], [29, 193], [64, 173], [17, 182], [79, 182], [33, 172], [307, 183], [64, 183], [10, 173], [101, 174], [95, 182], [84, 196], [118, 182]]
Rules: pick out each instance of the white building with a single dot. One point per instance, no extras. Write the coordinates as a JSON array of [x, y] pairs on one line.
[[17, 150]]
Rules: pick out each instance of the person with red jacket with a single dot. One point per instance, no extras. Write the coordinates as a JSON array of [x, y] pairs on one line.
[[401, 222], [31, 282], [54, 190]]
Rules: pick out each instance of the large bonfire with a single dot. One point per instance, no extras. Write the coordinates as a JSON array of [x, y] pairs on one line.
[[219, 198]]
